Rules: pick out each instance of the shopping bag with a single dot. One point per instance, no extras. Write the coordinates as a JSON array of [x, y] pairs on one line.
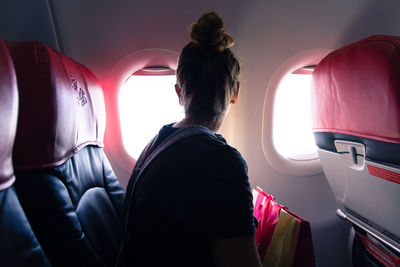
[[291, 243], [304, 254], [266, 211], [282, 237], [283, 244]]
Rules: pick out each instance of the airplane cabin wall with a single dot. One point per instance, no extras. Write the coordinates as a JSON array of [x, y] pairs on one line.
[[22, 20], [99, 33]]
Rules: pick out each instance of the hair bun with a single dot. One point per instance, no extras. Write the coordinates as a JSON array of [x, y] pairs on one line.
[[209, 32]]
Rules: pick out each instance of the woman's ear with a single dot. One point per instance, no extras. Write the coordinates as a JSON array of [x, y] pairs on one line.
[[236, 93], [179, 94]]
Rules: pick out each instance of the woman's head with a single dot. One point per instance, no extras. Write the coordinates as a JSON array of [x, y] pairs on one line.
[[207, 71]]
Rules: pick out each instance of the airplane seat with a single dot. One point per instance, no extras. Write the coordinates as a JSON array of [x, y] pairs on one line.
[[355, 98], [65, 183], [18, 244]]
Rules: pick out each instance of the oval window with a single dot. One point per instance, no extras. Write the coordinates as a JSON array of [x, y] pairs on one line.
[[292, 135], [287, 139], [146, 103]]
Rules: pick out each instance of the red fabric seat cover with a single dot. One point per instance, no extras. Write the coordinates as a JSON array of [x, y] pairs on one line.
[[62, 106], [356, 90]]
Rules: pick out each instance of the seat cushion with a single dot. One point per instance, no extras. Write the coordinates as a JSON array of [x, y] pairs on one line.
[[75, 209], [64, 181], [18, 245]]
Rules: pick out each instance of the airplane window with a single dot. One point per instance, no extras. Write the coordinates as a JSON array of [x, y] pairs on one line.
[[292, 135], [146, 103], [287, 139]]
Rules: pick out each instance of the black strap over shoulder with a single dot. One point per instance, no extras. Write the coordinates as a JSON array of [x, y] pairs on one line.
[[147, 156], [149, 153]]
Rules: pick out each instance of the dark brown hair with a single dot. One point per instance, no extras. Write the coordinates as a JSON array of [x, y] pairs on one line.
[[207, 69]]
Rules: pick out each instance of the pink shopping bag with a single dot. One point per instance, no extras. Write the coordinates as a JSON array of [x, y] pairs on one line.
[[266, 211], [282, 237]]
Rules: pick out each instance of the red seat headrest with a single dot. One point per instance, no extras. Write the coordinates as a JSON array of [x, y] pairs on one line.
[[8, 116], [356, 90], [61, 106]]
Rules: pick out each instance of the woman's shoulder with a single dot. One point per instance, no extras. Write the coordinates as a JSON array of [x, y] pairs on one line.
[[205, 147], [216, 151]]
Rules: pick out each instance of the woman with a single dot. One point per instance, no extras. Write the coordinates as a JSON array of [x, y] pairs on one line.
[[192, 205]]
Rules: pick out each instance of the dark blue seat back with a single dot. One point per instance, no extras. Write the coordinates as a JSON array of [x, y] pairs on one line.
[[18, 244], [65, 183]]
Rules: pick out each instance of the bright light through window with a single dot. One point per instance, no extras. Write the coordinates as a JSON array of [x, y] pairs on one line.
[[292, 134], [146, 103]]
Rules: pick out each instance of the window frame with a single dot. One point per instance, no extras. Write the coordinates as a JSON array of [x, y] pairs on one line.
[[275, 159]]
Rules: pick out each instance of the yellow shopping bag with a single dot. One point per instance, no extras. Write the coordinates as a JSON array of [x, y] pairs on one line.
[[291, 243], [281, 249]]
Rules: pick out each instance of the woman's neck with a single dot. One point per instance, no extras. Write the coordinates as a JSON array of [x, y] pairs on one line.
[[213, 124]]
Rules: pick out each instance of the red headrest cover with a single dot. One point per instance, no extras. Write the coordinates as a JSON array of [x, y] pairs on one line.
[[8, 116], [356, 90], [61, 106]]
